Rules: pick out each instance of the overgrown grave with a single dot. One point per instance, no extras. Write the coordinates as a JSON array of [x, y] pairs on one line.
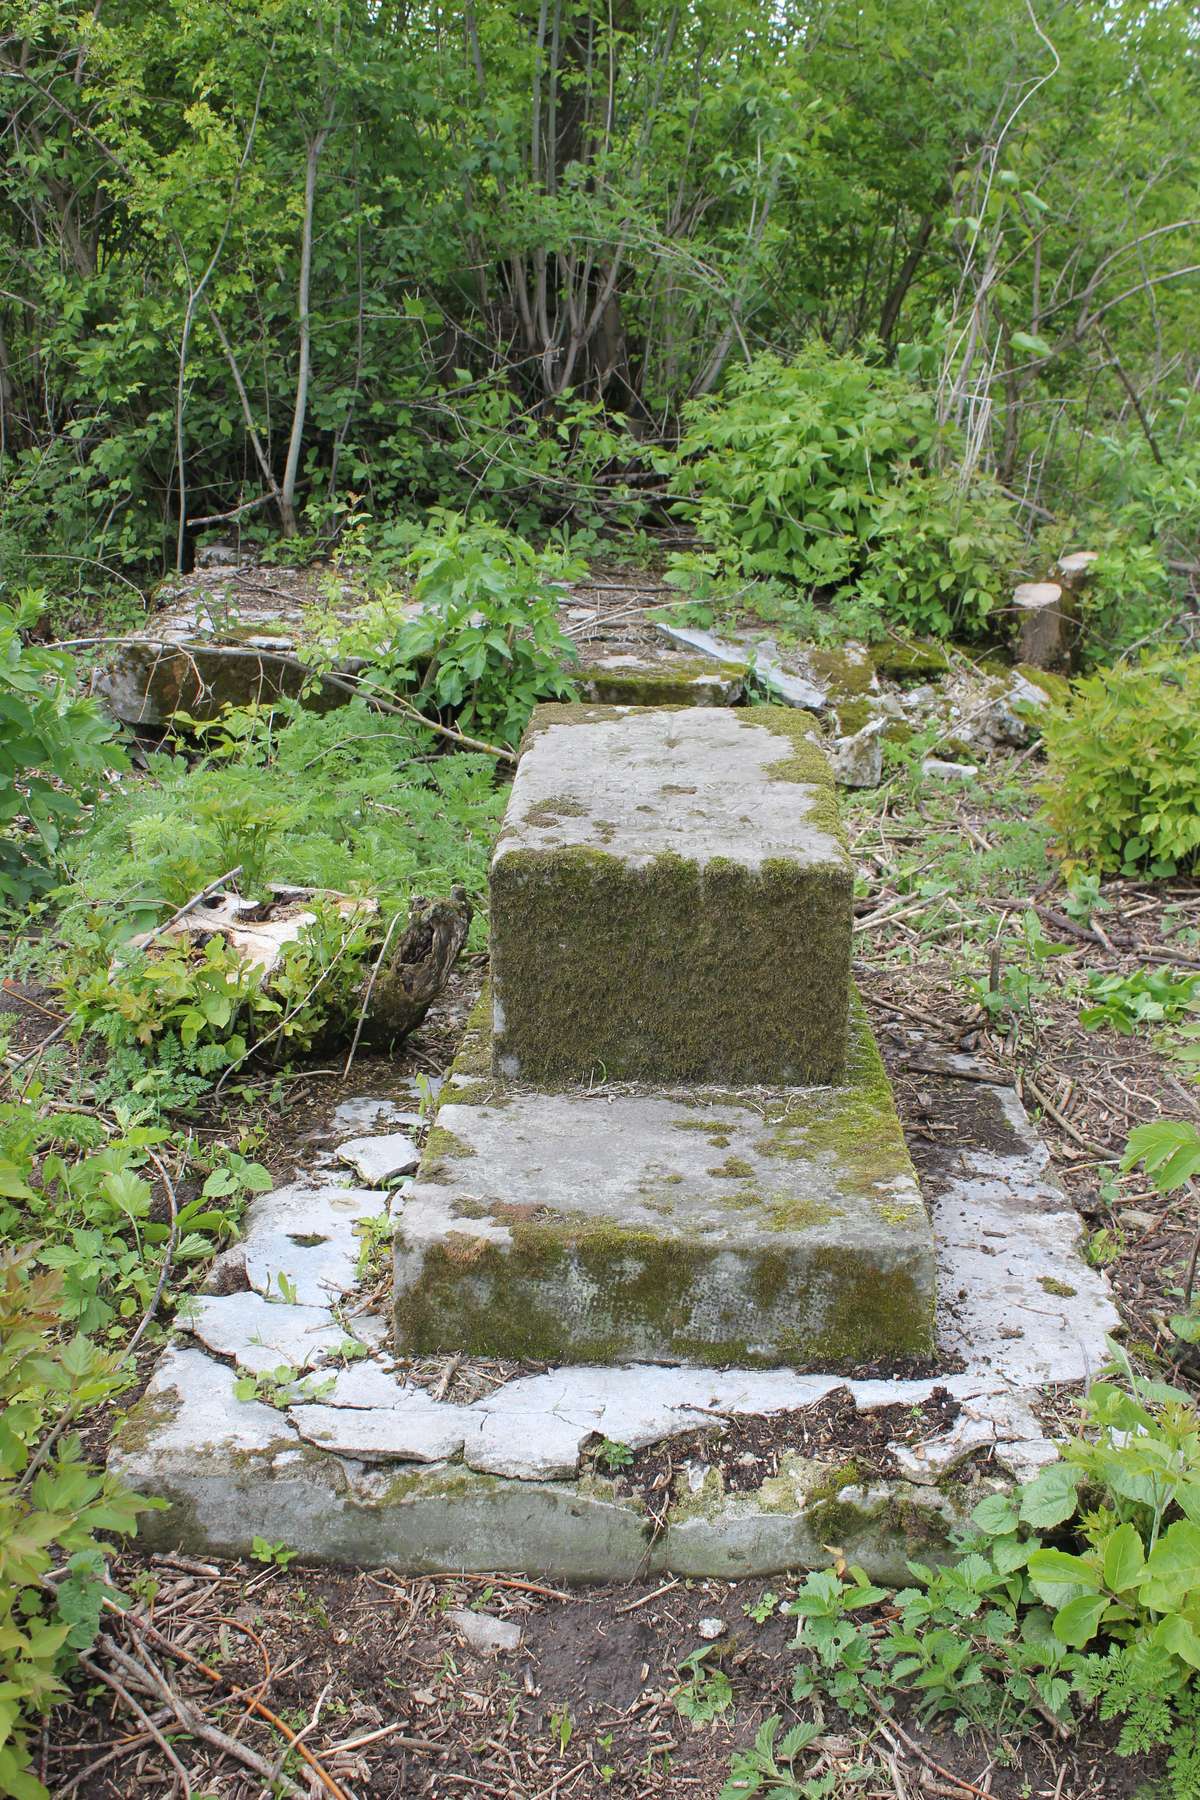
[[589, 1305]]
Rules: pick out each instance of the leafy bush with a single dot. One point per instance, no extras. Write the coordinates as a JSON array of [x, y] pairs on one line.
[[1123, 780], [1147, 997], [823, 470], [53, 1508], [1081, 1589], [349, 800], [85, 1209], [55, 745], [486, 644], [215, 1003]]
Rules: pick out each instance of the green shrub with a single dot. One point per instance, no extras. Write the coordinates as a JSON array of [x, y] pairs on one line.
[[824, 471], [55, 746], [53, 1508], [486, 645], [1122, 792]]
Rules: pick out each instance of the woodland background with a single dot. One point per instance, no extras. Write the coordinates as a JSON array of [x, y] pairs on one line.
[[282, 269]]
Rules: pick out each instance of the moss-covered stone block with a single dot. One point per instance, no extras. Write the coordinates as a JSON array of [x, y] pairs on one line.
[[775, 1227], [660, 679], [671, 900]]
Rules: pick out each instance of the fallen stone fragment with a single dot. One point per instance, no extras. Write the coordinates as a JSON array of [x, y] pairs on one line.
[[780, 683], [483, 1632], [378, 1160], [419, 1429], [858, 760], [662, 679], [261, 1335], [711, 1629], [937, 770]]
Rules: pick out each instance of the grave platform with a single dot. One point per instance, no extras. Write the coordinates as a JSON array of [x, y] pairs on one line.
[[671, 901], [754, 1227]]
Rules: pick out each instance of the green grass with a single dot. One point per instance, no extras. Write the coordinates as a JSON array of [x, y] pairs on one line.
[[349, 800]]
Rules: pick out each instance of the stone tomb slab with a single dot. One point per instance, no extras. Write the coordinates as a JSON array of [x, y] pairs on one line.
[[746, 1227], [671, 901]]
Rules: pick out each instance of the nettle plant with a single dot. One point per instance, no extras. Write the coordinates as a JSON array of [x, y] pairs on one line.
[[1080, 1590], [486, 644], [824, 471]]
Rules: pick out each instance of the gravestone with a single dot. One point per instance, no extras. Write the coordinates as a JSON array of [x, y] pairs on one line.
[[670, 1136]]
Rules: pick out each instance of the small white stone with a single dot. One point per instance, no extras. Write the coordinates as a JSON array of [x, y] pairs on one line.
[[711, 1629], [937, 770], [483, 1632], [858, 760], [378, 1160]]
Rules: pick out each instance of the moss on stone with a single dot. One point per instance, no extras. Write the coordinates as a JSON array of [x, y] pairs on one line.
[[1055, 687], [442, 1147], [1061, 1288], [734, 1168], [645, 986], [678, 681], [841, 672], [912, 659], [554, 808]]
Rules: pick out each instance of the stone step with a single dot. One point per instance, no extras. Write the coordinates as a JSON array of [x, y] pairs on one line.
[[753, 1227], [671, 900]]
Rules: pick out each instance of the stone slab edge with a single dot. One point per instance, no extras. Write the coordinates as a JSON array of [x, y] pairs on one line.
[[1027, 1311]]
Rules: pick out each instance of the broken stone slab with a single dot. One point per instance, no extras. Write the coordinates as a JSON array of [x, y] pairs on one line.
[[858, 760], [304, 1242], [216, 643], [706, 1226], [235, 1470], [651, 679], [782, 684], [416, 1428], [656, 870], [1016, 1297], [262, 1335], [378, 1160]]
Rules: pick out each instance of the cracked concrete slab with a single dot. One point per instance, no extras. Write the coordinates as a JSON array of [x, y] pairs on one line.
[[261, 1335], [514, 1495], [312, 1238], [379, 1160]]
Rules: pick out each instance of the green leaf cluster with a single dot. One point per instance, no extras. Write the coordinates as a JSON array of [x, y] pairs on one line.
[[56, 745], [55, 1510], [485, 644], [1123, 775], [825, 470], [1080, 1589], [1128, 1003]]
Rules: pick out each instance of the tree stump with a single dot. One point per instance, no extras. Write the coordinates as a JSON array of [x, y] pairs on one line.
[[408, 983], [1047, 613]]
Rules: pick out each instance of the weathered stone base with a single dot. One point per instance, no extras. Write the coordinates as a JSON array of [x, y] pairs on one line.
[[671, 900], [653, 678], [419, 1484], [752, 1227]]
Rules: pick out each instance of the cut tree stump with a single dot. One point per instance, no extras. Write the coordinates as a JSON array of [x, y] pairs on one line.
[[1047, 627]]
